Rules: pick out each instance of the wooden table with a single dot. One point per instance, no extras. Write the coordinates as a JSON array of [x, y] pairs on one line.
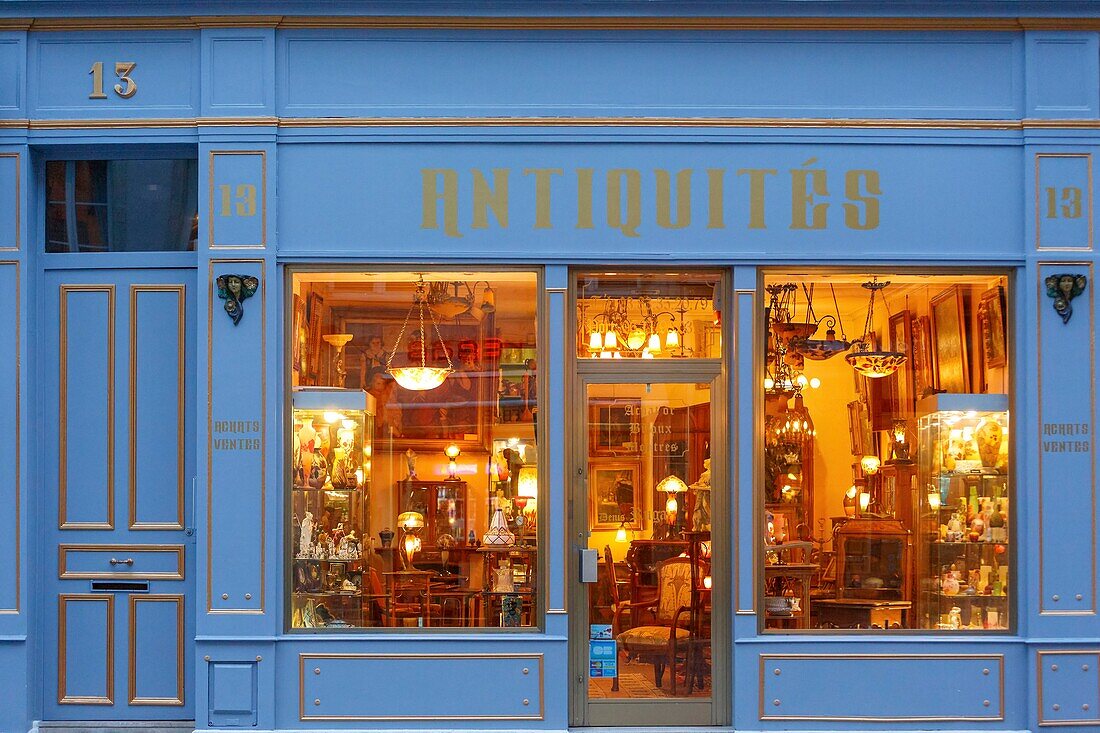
[[801, 572]]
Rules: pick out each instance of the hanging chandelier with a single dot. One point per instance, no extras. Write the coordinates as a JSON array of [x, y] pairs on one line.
[[866, 360], [633, 328], [420, 377]]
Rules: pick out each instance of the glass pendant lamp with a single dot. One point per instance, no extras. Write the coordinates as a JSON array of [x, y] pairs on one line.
[[420, 377]]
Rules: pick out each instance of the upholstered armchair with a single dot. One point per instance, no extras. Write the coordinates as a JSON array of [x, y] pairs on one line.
[[668, 638]]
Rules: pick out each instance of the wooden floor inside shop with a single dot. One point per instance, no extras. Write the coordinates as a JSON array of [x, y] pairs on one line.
[[636, 682]]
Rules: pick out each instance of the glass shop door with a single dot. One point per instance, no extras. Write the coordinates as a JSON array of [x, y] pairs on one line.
[[118, 349], [648, 598]]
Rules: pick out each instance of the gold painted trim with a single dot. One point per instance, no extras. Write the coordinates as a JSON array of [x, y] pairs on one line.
[[63, 698], [1038, 209], [888, 123], [132, 669], [181, 403], [1041, 308], [690, 122], [263, 200], [302, 657], [261, 264], [627, 23], [18, 439], [18, 201], [998, 659], [63, 423], [64, 573], [1043, 722]]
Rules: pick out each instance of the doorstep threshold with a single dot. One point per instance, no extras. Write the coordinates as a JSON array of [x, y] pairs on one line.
[[116, 726]]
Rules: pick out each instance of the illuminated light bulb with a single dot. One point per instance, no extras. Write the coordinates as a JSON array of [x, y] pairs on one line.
[[595, 343], [349, 424], [864, 501], [605, 354], [768, 382], [359, 476], [850, 497], [620, 533], [671, 505], [610, 340], [654, 343], [616, 355], [870, 464], [636, 339], [815, 383], [333, 417], [801, 380], [452, 451], [933, 500], [707, 582], [672, 339]]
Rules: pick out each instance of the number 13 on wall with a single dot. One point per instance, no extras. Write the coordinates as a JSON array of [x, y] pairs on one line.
[[237, 205], [126, 87], [1063, 201]]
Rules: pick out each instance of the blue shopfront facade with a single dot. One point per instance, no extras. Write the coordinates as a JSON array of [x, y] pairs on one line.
[[144, 439]]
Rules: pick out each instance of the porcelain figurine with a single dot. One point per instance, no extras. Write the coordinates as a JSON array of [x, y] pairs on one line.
[[307, 533]]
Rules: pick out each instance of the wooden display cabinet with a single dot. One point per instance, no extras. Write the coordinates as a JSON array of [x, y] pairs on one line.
[[443, 506], [873, 560]]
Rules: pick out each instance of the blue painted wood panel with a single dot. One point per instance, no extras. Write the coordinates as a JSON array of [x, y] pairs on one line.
[[857, 202], [11, 429], [11, 200], [13, 60], [1064, 201], [157, 650], [166, 73], [86, 650], [374, 687], [232, 693], [238, 72], [1066, 448], [237, 204], [158, 409], [906, 687], [1063, 75], [400, 73], [237, 497], [1069, 687], [86, 367]]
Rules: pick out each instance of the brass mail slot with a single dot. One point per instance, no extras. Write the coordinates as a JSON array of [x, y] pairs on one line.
[[92, 562]]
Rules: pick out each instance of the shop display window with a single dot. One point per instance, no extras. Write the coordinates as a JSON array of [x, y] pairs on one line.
[[413, 457], [886, 476], [123, 205]]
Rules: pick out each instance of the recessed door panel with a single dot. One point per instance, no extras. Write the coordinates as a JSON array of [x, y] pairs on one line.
[[86, 646], [86, 412], [156, 641]]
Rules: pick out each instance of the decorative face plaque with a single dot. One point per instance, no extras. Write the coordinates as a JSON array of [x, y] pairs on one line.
[[234, 290], [1064, 287]]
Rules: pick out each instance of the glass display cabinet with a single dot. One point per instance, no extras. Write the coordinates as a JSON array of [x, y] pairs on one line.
[[964, 559], [332, 433]]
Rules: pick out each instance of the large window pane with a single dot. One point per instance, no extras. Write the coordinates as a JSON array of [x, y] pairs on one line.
[[886, 468], [415, 474]]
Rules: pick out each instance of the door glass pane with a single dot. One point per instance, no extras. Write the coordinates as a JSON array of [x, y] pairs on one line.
[[649, 519]]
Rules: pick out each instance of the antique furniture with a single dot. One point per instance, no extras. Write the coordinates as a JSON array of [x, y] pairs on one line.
[[443, 506], [643, 558], [872, 560], [855, 613], [668, 638], [787, 582]]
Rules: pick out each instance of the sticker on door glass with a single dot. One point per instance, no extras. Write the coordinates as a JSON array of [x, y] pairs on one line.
[[599, 631], [603, 658]]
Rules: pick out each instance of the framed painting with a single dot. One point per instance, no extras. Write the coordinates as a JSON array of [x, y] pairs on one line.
[[614, 495], [949, 340], [920, 358], [859, 428], [313, 352], [991, 322], [901, 339], [614, 427], [298, 319]]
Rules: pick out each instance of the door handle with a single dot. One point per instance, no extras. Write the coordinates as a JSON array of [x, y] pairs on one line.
[[127, 561]]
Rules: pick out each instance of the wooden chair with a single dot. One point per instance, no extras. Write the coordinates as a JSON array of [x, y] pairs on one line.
[[393, 604], [663, 642], [617, 604]]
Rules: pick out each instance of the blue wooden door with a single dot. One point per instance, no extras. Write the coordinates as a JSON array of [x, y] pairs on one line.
[[117, 463]]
